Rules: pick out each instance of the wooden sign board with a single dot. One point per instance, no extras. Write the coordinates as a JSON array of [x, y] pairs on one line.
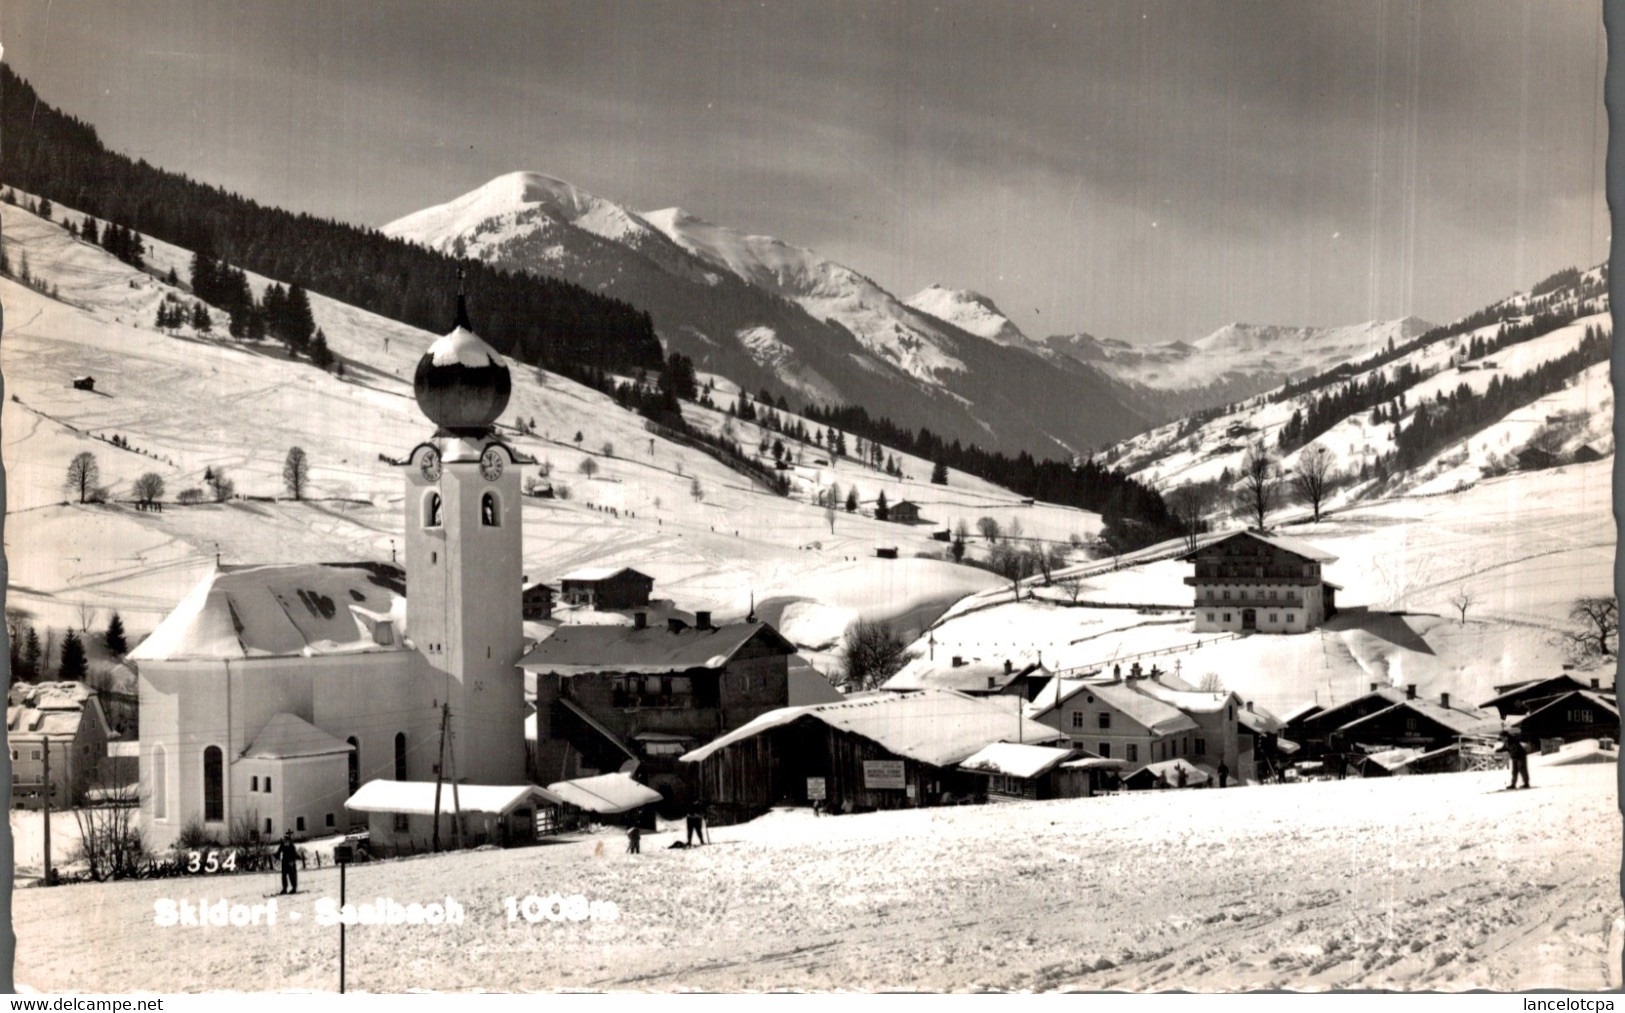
[[883, 774]]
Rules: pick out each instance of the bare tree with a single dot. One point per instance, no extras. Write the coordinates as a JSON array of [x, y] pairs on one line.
[[87, 613], [296, 472], [1211, 683], [110, 841], [222, 487], [1073, 586], [1596, 619], [1260, 485], [1013, 563], [989, 529], [1190, 505], [1463, 600], [589, 467], [83, 474], [872, 653], [832, 499], [1313, 475], [149, 488]]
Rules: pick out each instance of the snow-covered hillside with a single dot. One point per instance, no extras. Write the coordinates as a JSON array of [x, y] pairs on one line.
[[1360, 444], [185, 401]]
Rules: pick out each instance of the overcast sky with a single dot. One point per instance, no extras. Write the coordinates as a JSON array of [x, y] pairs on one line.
[[1147, 171]]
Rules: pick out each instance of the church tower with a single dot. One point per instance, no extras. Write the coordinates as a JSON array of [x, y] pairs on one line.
[[464, 546]]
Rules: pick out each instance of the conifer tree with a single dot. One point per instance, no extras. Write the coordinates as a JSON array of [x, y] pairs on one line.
[[73, 658], [114, 638]]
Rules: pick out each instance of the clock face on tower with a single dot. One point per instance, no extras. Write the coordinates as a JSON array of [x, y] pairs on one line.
[[491, 464], [429, 464]]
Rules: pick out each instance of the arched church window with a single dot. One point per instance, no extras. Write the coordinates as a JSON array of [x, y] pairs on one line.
[[400, 756], [214, 785], [431, 511], [355, 764], [490, 512], [160, 783]]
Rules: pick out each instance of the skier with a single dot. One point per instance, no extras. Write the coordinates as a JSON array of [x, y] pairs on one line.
[[1520, 758], [288, 856]]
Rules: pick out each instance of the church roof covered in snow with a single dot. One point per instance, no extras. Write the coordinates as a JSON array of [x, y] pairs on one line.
[[288, 736], [262, 611], [934, 726]]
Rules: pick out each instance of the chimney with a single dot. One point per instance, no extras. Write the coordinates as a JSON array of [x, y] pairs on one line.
[[1008, 666], [1410, 691], [959, 662], [992, 682], [674, 624], [1374, 686], [1444, 699], [1249, 705], [640, 620], [702, 620], [1594, 684]]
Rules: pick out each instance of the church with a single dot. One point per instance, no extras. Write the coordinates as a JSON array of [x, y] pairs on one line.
[[272, 693]]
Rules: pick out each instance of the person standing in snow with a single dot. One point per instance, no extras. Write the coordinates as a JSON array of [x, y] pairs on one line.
[[633, 838], [1520, 758], [288, 856], [696, 825], [1224, 775]]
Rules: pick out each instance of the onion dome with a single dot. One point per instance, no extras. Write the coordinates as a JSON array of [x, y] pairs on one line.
[[461, 383]]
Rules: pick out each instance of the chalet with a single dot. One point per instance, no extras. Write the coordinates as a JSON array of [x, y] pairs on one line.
[[1586, 454], [606, 587], [1218, 737], [1314, 728], [1116, 721], [536, 601], [973, 676], [876, 751], [904, 512], [1572, 716], [1409, 722], [64, 718], [1013, 770], [401, 814], [1523, 697], [609, 694], [1256, 582]]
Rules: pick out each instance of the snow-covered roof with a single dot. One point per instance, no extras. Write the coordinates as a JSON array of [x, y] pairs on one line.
[[263, 611], [462, 347], [653, 650], [1259, 720], [1152, 714], [34, 710], [1295, 546], [1190, 701], [288, 736], [416, 798], [1015, 759], [1534, 689], [605, 793], [596, 573], [972, 676], [1194, 775], [1461, 720], [933, 726], [1303, 710], [1602, 700]]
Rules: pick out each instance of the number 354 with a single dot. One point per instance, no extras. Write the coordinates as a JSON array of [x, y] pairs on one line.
[[211, 861]]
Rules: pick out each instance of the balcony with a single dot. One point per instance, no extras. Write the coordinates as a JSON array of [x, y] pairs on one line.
[[1251, 576]]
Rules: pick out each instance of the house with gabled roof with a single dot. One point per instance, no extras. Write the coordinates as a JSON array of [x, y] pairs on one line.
[[1570, 717], [1417, 723], [603, 588], [1522, 697], [1256, 582], [646, 694], [1115, 721], [66, 720]]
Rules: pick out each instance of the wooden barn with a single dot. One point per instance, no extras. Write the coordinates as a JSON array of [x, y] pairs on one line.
[[606, 587], [904, 512], [1416, 723], [1526, 696], [1572, 716], [879, 751], [1013, 770]]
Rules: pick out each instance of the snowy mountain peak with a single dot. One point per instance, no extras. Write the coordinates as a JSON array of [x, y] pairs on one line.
[[512, 202], [972, 312]]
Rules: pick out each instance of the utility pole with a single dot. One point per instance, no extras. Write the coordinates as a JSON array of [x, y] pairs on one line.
[[456, 801], [439, 769], [45, 793]]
